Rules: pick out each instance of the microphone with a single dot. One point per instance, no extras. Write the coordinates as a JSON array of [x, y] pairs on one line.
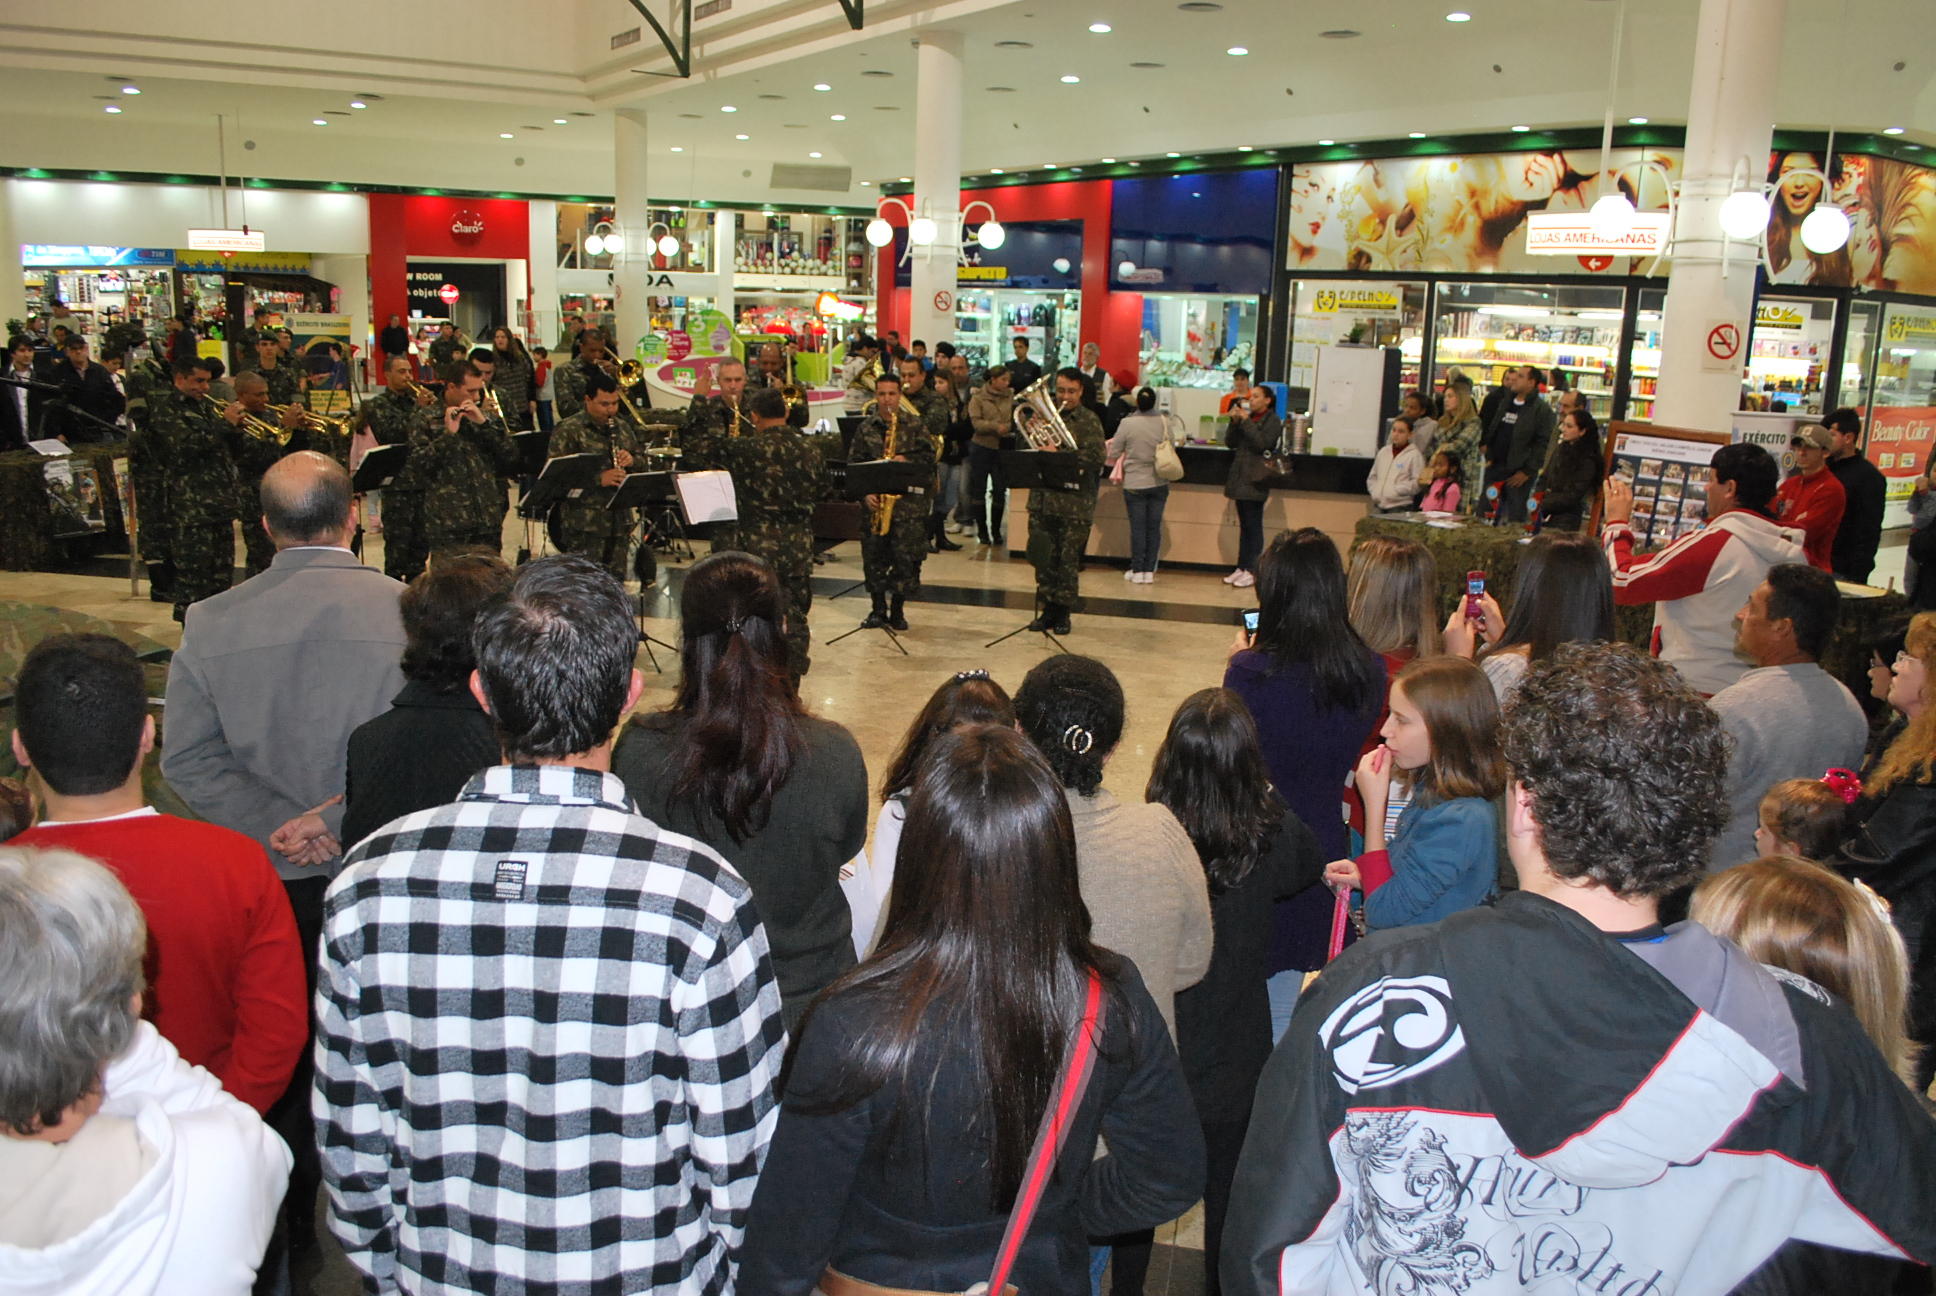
[[32, 384]]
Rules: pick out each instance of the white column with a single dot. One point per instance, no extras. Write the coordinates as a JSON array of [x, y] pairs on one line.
[[725, 230], [937, 184], [633, 265], [351, 273], [1731, 114], [13, 285], [543, 216]]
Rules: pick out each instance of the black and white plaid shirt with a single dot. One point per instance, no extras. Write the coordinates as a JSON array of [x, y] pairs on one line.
[[547, 1040]]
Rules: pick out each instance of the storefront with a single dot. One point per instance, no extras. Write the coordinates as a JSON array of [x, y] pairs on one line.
[[100, 286], [464, 259]]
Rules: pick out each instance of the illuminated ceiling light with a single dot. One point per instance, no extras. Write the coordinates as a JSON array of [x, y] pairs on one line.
[[822, 87], [1243, 148], [1825, 230], [555, 121], [678, 148], [742, 137], [879, 232], [727, 108], [1326, 143], [1521, 130], [923, 230], [500, 134], [1237, 51], [358, 103], [1416, 134], [813, 155], [1172, 155], [1892, 130], [1101, 29], [1071, 80], [1109, 161], [1636, 121], [130, 90], [1744, 215], [838, 117], [991, 235], [1458, 15], [112, 108], [907, 179], [996, 171]]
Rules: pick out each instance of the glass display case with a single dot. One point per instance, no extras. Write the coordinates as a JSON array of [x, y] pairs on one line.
[[579, 221], [792, 244], [1858, 353], [1330, 312], [1573, 333], [1191, 341], [1788, 351], [987, 319]]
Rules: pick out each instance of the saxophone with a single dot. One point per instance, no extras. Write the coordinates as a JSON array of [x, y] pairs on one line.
[[890, 446]]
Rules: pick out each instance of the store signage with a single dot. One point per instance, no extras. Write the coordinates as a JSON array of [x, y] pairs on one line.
[[1775, 315], [678, 345], [1356, 301], [227, 240], [834, 308], [69, 254], [1906, 327], [448, 294], [1144, 275], [981, 274], [1572, 234], [467, 226]]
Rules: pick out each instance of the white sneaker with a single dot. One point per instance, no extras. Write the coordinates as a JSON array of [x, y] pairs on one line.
[[1231, 579], [1132, 574], [1244, 580], [1145, 578]]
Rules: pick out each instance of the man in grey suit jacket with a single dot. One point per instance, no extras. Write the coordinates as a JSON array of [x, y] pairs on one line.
[[271, 678]]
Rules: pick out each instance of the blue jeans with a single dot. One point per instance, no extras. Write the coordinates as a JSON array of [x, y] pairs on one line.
[[1283, 988], [1145, 525], [1250, 534], [544, 416], [950, 493], [985, 473]]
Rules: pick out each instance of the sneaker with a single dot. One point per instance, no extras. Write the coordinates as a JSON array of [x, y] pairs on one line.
[[1231, 579], [1132, 575], [1145, 578], [1243, 580]]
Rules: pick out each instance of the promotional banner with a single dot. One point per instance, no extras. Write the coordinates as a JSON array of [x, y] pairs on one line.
[[1900, 440], [1461, 214], [1891, 208]]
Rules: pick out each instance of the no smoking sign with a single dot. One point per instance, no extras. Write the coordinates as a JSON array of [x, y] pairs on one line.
[[1723, 349], [944, 301]]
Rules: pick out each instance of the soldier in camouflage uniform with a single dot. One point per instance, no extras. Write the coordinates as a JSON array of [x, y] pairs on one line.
[[149, 382], [710, 416], [284, 379], [255, 457], [456, 458], [1059, 519], [388, 417], [779, 475], [586, 526], [935, 411], [446, 348], [568, 383], [891, 561], [198, 444]]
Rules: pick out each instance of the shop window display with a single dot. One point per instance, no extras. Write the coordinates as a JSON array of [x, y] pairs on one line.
[[1573, 333], [1902, 418], [985, 323], [1197, 341], [1330, 312]]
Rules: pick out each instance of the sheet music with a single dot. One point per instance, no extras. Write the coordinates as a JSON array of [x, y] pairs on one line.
[[708, 496]]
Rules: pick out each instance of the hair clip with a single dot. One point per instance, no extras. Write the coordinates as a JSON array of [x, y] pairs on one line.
[[734, 623], [1845, 783], [962, 677], [1078, 740]]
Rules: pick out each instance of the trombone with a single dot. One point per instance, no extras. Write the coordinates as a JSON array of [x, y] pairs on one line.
[[630, 373], [312, 421]]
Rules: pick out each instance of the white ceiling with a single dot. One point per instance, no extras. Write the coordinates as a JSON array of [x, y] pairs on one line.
[[454, 76]]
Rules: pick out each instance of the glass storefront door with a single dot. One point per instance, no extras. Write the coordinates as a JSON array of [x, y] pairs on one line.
[[1902, 418], [986, 321], [1643, 361], [1788, 350], [1858, 353], [1572, 333]]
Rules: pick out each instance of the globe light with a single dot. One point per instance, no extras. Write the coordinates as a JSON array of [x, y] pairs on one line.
[[614, 243], [879, 232], [1744, 214], [1612, 216], [922, 230], [668, 245], [1825, 230], [991, 235], [595, 244], [1124, 269], [1061, 265]]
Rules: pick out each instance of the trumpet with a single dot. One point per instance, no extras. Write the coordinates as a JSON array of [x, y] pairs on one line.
[[1039, 421], [254, 425], [890, 446], [418, 389], [796, 403], [490, 404], [312, 422]]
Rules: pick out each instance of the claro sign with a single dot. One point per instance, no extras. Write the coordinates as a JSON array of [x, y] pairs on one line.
[[467, 226]]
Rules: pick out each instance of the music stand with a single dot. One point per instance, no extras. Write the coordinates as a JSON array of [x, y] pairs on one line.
[[378, 468], [533, 449], [556, 482], [668, 529], [1054, 470], [642, 490], [878, 477]]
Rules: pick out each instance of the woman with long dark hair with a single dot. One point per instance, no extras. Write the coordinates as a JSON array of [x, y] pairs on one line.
[[514, 380], [1315, 689], [738, 763], [1562, 593], [919, 1079], [1210, 773], [1570, 482]]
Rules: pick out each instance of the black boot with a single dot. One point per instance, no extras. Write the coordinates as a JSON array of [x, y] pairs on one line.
[[981, 522], [895, 619], [1061, 625], [938, 531], [1044, 620], [877, 619], [995, 520]]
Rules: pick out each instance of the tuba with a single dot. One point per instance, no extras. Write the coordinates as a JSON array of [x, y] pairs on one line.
[[1039, 421]]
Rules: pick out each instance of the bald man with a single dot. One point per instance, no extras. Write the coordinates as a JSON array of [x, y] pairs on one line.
[[271, 678]]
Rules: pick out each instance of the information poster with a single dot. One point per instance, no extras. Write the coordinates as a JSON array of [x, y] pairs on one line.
[[1668, 473], [74, 495]]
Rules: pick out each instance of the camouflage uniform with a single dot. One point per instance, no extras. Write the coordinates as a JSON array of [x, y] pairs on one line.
[[709, 419], [148, 384], [586, 526], [1059, 520], [779, 475], [388, 417], [511, 380], [198, 449], [254, 456], [934, 417], [285, 382], [443, 350], [892, 562], [568, 389], [457, 476]]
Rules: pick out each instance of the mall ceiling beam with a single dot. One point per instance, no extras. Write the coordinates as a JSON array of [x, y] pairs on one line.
[[856, 11], [680, 52]]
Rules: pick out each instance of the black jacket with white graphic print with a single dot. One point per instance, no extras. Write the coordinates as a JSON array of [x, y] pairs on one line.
[[1512, 1100]]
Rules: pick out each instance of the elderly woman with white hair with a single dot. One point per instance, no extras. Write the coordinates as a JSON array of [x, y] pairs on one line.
[[123, 1169]]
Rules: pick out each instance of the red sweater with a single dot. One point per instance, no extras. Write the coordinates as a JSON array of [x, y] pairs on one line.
[[1813, 506], [224, 967]]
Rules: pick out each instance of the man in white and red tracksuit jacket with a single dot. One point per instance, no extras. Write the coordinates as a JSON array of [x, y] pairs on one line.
[[1554, 1094], [1700, 581]]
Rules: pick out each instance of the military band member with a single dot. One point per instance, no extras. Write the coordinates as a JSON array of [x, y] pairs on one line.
[[149, 382], [284, 380], [1059, 519], [457, 454], [388, 416], [721, 415], [936, 410], [198, 444], [255, 456], [769, 369], [897, 525], [779, 475], [568, 385], [586, 526], [857, 373], [446, 348]]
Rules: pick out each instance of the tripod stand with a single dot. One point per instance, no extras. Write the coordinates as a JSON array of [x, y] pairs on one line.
[[642, 490], [1050, 635]]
